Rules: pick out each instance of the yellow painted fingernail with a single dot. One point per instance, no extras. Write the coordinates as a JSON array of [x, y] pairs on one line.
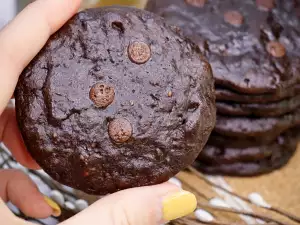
[[55, 207], [178, 204]]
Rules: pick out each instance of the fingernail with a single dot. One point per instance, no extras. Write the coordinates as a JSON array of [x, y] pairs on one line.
[[56, 209], [178, 204]]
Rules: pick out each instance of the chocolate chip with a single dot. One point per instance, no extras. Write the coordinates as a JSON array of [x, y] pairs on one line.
[[120, 130], [102, 95], [139, 52], [196, 3], [276, 49], [234, 18], [265, 5]]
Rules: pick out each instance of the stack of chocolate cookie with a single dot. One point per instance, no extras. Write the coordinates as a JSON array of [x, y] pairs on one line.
[[254, 49]]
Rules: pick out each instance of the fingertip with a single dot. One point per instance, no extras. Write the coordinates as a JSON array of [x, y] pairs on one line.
[[12, 138], [56, 211], [24, 194], [39, 209], [64, 9]]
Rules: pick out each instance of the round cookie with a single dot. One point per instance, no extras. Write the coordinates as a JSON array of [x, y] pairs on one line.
[[262, 110], [219, 140], [252, 161], [262, 128], [223, 94], [116, 99], [218, 155], [251, 50]]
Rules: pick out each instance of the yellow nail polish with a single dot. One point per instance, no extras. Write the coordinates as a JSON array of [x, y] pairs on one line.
[[178, 205], [55, 207]]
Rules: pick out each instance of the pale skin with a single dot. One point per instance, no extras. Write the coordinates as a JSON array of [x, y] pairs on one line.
[[20, 41]]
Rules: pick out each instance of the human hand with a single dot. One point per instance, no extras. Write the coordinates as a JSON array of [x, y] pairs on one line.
[[20, 41]]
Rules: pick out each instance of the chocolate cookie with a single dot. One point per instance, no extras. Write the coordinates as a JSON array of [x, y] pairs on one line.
[[223, 94], [219, 155], [249, 161], [219, 140], [263, 110], [262, 128], [251, 50], [116, 99]]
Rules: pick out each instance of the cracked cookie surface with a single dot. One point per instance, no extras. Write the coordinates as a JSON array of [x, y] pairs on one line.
[[116, 99]]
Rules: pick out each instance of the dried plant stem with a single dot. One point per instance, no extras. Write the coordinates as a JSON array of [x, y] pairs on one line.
[[254, 215], [273, 209], [195, 190], [202, 177], [284, 213], [191, 221], [185, 221], [221, 223], [214, 222], [241, 212]]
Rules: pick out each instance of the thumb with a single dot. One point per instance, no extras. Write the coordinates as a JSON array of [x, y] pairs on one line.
[[152, 205]]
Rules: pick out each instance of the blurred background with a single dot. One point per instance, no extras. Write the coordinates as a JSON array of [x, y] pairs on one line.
[[9, 8]]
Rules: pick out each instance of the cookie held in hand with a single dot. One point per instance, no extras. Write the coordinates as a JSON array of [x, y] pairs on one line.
[[116, 99]]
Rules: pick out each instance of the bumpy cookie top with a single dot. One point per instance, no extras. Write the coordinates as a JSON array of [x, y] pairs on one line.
[[116, 99]]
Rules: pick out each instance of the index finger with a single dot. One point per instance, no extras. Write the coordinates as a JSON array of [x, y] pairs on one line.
[[24, 37]]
